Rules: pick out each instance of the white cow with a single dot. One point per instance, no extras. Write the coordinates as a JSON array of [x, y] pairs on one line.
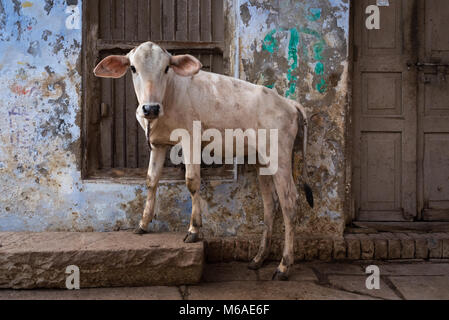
[[173, 93]]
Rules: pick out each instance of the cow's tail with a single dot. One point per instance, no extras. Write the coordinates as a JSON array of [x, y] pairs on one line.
[[303, 122]]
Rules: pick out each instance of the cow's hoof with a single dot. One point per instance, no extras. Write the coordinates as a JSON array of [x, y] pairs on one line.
[[191, 237], [253, 265], [280, 276], [139, 231]]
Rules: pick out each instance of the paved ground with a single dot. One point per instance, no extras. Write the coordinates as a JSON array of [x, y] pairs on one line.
[[417, 280]]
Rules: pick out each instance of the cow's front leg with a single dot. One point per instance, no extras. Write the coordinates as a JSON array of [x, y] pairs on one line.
[[155, 167], [193, 181]]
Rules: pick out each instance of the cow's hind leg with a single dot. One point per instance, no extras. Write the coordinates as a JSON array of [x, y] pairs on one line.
[[193, 181], [268, 193], [287, 194]]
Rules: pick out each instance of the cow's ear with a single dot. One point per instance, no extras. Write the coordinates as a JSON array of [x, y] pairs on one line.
[[185, 65], [112, 67]]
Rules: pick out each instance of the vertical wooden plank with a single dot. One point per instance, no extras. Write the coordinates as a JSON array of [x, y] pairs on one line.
[[90, 153], [131, 123], [129, 130], [217, 20], [194, 20], [118, 19], [168, 20], [142, 148], [131, 15], [217, 63], [105, 19], [106, 125], [156, 19], [143, 20], [119, 123], [205, 20], [217, 34], [182, 20], [205, 61]]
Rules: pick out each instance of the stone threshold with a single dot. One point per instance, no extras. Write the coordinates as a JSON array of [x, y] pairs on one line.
[[351, 247]]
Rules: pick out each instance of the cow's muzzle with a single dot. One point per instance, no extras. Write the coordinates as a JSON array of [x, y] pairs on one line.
[[151, 111]]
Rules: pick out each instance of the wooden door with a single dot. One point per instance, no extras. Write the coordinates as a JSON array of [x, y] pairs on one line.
[[433, 67], [384, 113]]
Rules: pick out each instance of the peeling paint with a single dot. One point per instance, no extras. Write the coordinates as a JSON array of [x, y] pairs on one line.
[[49, 5], [293, 59], [270, 43], [27, 4], [315, 14]]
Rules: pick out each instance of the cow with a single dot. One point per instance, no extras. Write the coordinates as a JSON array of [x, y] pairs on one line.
[[173, 92]]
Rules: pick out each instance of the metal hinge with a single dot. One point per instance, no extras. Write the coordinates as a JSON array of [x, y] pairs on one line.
[[429, 64]]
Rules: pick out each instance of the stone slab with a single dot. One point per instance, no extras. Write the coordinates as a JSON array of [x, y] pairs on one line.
[[269, 290], [339, 268], [423, 287], [418, 269], [125, 293], [357, 284], [39, 260], [232, 271]]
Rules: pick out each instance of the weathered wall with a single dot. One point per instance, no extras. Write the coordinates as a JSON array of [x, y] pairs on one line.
[[298, 48]]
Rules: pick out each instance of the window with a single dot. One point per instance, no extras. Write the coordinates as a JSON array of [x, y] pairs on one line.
[[114, 145]]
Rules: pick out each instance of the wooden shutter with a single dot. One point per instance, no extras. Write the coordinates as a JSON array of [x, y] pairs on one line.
[[116, 144]]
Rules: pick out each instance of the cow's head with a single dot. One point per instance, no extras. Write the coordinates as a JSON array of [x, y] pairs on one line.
[[150, 66]]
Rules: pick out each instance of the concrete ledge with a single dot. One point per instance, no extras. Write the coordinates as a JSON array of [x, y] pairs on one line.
[[39, 260]]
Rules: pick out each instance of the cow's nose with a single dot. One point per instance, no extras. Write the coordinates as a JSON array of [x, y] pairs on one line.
[[151, 110]]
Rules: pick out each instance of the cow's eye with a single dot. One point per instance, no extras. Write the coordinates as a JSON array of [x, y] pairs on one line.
[[166, 69], [133, 69]]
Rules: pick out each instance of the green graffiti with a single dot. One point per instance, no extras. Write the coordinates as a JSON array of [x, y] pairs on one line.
[[293, 59], [319, 68], [319, 46], [310, 32], [318, 49], [315, 14], [269, 43], [321, 86]]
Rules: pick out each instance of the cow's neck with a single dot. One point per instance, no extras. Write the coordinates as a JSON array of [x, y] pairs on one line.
[[177, 103], [177, 109]]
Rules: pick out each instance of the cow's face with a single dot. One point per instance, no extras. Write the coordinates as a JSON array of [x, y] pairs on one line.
[[150, 66]]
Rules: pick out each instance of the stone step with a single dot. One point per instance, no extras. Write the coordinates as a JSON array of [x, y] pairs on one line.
[[39, 260]]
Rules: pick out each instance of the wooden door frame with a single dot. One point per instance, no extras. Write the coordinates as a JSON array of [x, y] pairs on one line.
[[348, 207]]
